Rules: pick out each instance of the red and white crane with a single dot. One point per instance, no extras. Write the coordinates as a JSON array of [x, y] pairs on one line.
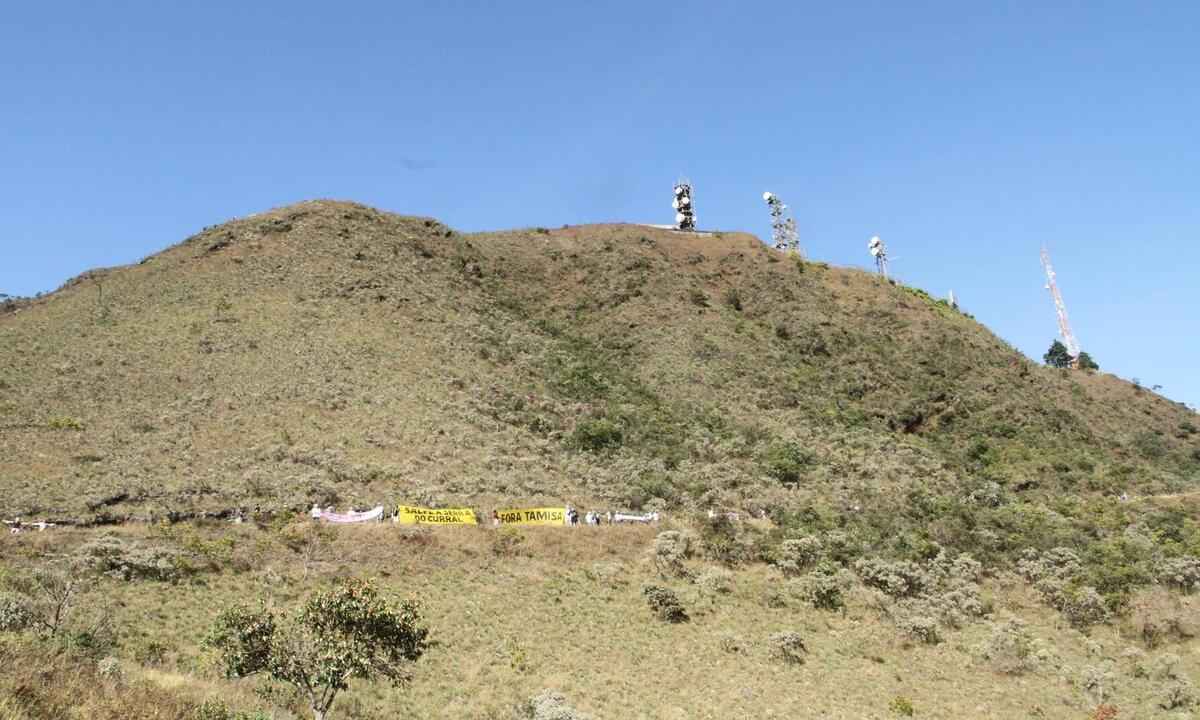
[[1064, 324]]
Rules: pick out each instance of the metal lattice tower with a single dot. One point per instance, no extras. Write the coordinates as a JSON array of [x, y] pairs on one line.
[[783, 227], [685, 212], [1064, 323], [879, 252]]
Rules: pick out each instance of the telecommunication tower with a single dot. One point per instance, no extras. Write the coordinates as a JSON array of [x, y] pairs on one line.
[[1064, 324], [783, 227], [879, 252], [685, 212]]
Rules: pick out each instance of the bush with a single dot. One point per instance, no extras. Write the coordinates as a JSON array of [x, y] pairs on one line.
[[732, 644], [823, 588], [1083, 607], [671, 549], [596, 435], [1181, 573], [1057, 576], [348, 631], [16, 612], [898, 579], [121, 559], [1177, 694], [721, 540], [664, 603], [902, 706], [715, 581], [920, 627], [508, 542], [793, 557], [109, 668], [787, 647], [1158, 617], [217, 710], [1097, 682], [1009, 649], [550, 705], [787, 462]]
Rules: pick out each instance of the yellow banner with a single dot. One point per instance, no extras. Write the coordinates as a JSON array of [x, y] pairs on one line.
[[534, 516], [409, 515]]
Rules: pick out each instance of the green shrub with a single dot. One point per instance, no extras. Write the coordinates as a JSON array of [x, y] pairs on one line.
[[721, 540], [793, 557], [1181, 573], [128, 560], [596, 435], [1009, 648], [787, 647], [898, 579], [1157, 617], [665, 604], [1083, 606], [63, 422], [787, 462], [902, 706], [671, 549], [508, 542], [823, 588], [345, 632], [715, 581], [16, 612], [919, 627]]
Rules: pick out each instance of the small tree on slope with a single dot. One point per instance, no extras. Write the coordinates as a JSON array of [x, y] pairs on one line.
[[1057, 356], [339, 634]]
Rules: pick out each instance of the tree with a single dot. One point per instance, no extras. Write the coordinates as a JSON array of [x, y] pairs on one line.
[[1057, 356], [346, 632], [1087, 363]]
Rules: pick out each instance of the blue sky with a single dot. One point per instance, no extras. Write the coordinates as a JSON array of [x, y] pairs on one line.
[[965, 134]]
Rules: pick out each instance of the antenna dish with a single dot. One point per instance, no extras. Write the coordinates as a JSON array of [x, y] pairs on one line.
[[685, 201], [874, 252], [679, 218], [675, 203], [767, 196]]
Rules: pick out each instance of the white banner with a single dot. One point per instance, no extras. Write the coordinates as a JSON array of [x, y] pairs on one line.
[[350, 517]]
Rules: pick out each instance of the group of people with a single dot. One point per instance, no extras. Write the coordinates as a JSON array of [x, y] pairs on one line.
[[594, 517], [15, 527]]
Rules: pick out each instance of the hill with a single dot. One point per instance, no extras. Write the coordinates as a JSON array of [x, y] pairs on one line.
[[328, 351]]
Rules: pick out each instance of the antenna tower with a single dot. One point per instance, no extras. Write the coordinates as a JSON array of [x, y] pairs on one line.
[[783, 227], [1064, 324], [879, 252], [685, 213]]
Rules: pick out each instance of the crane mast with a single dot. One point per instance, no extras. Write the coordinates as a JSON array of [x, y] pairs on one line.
[[1064, 323]]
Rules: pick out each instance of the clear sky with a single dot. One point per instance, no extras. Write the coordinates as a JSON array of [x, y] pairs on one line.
[[965, 134]]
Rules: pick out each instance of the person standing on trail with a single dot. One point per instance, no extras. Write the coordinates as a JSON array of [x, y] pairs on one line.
[[315, 512]]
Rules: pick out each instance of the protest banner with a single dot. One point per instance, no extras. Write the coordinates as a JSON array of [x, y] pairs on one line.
[[410, 515], [533, 516]]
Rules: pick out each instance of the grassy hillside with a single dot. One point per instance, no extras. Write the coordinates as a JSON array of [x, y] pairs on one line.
[[329, 352], [564, 610]]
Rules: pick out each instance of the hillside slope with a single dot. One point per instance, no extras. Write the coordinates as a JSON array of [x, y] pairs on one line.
[[328, 351]]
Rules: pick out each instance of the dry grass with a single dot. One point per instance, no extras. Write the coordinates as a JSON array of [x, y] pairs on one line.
[[567, 614]]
